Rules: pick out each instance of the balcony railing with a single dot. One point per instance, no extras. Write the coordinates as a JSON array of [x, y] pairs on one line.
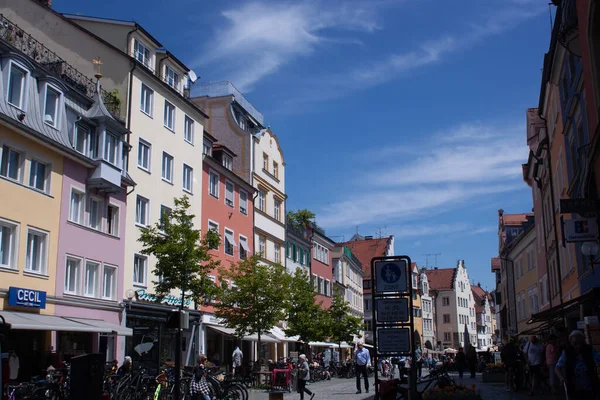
[[224, 88], [183, 90], [25, 43]]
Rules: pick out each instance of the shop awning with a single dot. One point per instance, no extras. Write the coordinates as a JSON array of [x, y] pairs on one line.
[[368, 346], [280, 335], [319, 344], [555, 314], [244, 245], [343, 346], [40, 322], [103, 325], [264, 338]]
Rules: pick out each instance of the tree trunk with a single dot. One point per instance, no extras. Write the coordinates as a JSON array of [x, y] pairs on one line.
[[260, 355]]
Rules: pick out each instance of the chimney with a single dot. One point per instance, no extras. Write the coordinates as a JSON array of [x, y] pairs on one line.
[[479, 284], [500, 212], [45, 3]]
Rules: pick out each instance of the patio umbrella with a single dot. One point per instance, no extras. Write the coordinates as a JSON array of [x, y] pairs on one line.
[[467, 338]]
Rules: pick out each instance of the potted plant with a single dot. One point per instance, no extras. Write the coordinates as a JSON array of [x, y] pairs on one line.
[[458, 392], [494, 373]]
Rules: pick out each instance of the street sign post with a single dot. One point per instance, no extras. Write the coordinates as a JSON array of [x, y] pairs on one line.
[[393, 325]]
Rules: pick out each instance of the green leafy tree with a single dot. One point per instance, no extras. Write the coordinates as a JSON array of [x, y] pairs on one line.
[[301, 219], [257, 300], [342, 325], [306, 317], [182, 258]]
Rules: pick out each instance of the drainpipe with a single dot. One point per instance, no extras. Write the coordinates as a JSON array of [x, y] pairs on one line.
[[553, 203]]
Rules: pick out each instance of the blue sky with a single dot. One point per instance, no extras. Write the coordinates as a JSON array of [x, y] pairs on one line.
[[401, 117]]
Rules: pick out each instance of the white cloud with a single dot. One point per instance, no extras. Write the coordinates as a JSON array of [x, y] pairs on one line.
[[455, 168], [259, 37]]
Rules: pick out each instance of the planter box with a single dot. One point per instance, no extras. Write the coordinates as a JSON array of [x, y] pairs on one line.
[[493, 377]]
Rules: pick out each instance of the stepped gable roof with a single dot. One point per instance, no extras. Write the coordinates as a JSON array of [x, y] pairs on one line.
[[516, 219], [441, 279]]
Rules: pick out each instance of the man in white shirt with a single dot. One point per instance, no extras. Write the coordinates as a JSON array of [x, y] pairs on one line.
[[533, 352]]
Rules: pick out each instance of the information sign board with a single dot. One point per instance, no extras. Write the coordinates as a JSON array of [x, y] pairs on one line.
[[391, 276], [393, 340], [392, 310]]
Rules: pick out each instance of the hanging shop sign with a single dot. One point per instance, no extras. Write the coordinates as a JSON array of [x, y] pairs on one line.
[[581, 230], [141, 294], [20, 297]]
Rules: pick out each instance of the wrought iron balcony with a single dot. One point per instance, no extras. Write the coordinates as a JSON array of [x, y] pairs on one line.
[[22, 41], [183, 90]]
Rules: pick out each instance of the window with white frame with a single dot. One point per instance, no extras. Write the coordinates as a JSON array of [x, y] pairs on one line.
[[265, 162], [147, 100], [207, 148], [171, 77], [244, 250], [141, 53], [227, 162], [229, 189], [229, 242], [243, 202], [188, 178], [321, 253], [188, 130], [86, 141], [112, 220], [37, 252], [262, 246], [165, 214], [142, 206], [144, 152], [51, 106], [445, 301], [261, 200], [39, 175], [169, 117], [277, 253], [73, 275], [8, 244], [95, 213], [111, 148], [12, 163], [140, 265], [277, 209], [213, 226], [326, 287], [90, 282], [213, 186], [16, 86], [167, 167], [76, 206], [109, 282], [275, 170]]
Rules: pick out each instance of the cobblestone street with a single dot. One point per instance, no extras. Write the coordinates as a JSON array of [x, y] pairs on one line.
[[346, 389]]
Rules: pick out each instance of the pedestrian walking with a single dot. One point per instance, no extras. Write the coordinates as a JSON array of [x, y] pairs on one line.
[[199, 389], [362, 359], [552, 354], [461, 361], [576, 368], [419, 358], [533, 355], [237, 358], [303, 377], [472, 360]]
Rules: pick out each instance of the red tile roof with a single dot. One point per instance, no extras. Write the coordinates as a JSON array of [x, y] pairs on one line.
[[478, 295], [516, 219], [366, 249], [441, 279]]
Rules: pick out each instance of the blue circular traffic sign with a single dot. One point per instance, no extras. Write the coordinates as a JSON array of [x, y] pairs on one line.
[[391, 273]]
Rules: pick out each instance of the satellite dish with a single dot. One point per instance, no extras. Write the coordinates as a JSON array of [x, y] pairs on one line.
[[192, 76], [130, 293]]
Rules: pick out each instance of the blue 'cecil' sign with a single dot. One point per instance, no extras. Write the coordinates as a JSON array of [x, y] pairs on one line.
[[26, 297]]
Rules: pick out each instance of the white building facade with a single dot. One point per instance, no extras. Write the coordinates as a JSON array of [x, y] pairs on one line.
[[348, 275], [427, 311]]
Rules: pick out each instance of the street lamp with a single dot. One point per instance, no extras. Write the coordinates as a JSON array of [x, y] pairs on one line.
[[591, 250]]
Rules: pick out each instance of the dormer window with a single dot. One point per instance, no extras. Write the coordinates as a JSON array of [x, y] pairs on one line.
[[141, 53], [242, 122], [52, 100], [227, 162], [171, 77], [16, 86], [207, 148]]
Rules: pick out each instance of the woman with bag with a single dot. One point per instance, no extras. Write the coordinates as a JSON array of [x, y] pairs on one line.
[[199, 389], [303, 377]]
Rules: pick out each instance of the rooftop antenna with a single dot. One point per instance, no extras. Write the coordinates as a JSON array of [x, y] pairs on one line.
[[435, 255]]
